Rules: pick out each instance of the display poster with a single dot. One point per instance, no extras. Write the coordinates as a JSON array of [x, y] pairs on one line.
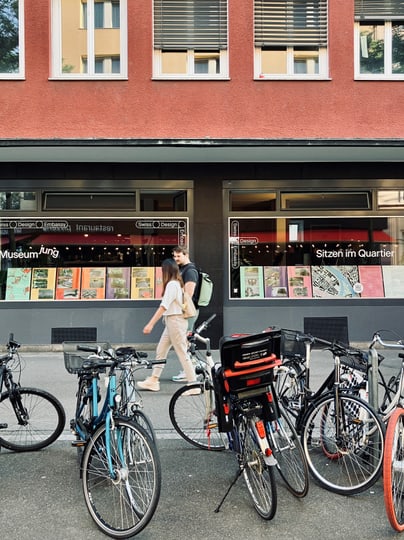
[[68, 283], [142, 283], [299, 282], [43, 283], [158, 282], [118, 283], [371, 280], [92, 283], [393, 279], [335, 281], [275, 282], [18, 283], [251, 282]]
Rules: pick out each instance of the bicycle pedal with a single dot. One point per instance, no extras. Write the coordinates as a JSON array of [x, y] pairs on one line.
[[3, 426], [78, 443]]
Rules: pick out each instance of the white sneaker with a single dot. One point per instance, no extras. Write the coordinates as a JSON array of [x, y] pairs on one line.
[[149, 384], [180, 377], [192, 392]]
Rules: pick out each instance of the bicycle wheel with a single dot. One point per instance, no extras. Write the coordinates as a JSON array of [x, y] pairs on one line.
[[393, 470], [123, 503], [30, 420], [343, 441], [289, 387], [258, 476], [194, 416], [144, 421], [289, 454], [81, 424]]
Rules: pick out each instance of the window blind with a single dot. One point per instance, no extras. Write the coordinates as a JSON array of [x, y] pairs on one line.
[[379, 10], [290, 22], [190, 24]]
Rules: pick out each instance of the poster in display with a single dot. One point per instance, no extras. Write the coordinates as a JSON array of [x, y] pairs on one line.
[[299, 282], [275, 282], [335, 281], [142, 283], [68, 283], [371, 281], [18, 283], [43, 283], [393, 279], [158, 282], [252, 282], [92, 283], [118, 283]]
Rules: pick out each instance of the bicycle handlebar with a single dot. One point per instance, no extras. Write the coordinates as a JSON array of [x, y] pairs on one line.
[[203, 326], [377, 339]]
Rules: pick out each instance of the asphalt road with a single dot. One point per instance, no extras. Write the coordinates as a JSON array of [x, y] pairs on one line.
[[41, 495]]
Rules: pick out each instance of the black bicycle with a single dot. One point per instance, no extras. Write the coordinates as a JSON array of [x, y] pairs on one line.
[[30, 418]]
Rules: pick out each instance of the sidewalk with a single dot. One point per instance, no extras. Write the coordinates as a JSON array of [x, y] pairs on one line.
[[41, 495]]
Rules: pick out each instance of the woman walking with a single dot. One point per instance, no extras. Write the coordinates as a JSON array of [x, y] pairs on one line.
[[175, 330]]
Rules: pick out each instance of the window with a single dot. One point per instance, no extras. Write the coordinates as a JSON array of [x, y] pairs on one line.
[[379, 39], [190, 39], [18, 200], [11, 39], [290, 39], [89, 39]]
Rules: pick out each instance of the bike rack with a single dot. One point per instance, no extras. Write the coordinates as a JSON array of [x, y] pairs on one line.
[[373, 379]]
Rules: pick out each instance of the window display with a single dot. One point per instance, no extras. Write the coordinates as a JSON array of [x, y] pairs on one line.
[[316, 257], [86, 259]]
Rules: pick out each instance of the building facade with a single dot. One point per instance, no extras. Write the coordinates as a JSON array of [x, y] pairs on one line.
[[265, 135]]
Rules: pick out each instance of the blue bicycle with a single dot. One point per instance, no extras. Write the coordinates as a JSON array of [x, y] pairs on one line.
[[120, 465]]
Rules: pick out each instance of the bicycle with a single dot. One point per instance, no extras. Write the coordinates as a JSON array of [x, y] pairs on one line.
[[30, 418], [259, 432], [392, 412], [192, 407], [120, 466], [342, 436]]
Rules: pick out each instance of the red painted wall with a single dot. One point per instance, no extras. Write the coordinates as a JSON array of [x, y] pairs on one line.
[[38, 108]]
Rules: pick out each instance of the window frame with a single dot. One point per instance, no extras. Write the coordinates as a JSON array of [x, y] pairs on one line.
[[56, 47], [21, 47], [290, 74], [388, 59]]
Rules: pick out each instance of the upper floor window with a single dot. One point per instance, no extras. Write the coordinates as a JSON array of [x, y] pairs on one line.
[[89, 39], [379, 39], [190, 39], [290, 39], [11, 39]]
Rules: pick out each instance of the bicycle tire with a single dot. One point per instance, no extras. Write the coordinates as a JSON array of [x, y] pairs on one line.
[[258, 476], [144, 421], [123, 506], [82, 420], [393, 477], [344, 451], [194, 416], [43, 420], [289, 454]]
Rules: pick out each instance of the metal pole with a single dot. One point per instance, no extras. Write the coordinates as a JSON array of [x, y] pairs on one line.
[[373, 379]]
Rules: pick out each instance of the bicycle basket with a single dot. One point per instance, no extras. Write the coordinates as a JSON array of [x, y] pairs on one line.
[[290, 347], [74, 359], [356, 362]]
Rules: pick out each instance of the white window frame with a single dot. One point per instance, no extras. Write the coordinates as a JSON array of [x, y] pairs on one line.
[[322, 67], [21, 47], [56, 46], [190, 66], [387, 75]]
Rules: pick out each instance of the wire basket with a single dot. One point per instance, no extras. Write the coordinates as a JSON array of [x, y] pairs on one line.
[[75, 359], [290, 347]]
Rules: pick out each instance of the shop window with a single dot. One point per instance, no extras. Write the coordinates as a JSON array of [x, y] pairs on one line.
[[252, 201], [379, 39], [89, 201], [163, 201], [291, 39], [326, 200], [18, 200], [390, 199], [190, 39], [316, 257], [89, 39], [12, 39], [86, 259]]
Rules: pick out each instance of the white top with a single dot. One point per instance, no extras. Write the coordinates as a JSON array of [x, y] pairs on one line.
[[172, 298]]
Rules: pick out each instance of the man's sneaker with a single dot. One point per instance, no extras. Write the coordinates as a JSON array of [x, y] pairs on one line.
[[149, 384], [180, 377]]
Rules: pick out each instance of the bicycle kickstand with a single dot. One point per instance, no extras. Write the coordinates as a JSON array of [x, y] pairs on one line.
[[239, 472]]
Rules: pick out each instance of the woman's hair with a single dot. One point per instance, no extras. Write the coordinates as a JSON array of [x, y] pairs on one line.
[[170, 272]]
